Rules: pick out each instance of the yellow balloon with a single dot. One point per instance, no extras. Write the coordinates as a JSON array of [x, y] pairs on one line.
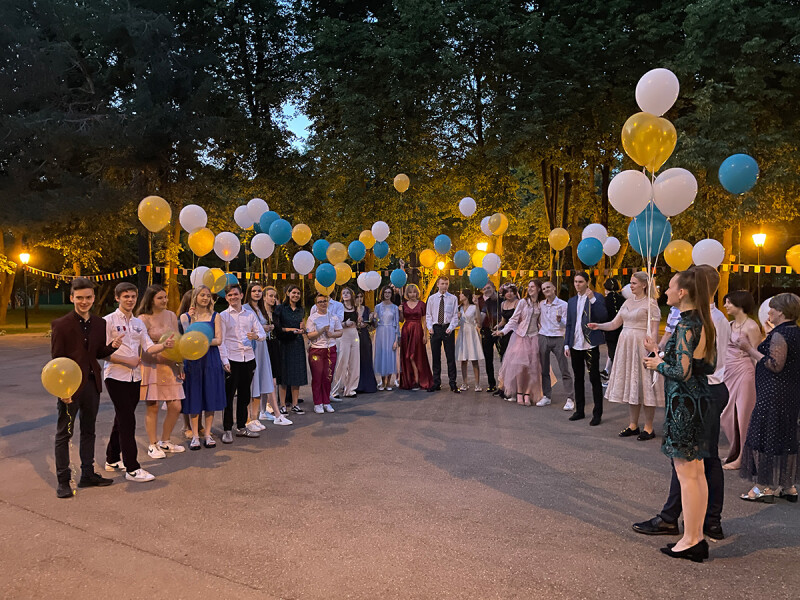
[[649, 140], [558, 238], [401, 182], [336, 253], [678, 255], [366, 238], [211, 277], [154, 213], [793, 258], [477, 258], [322, 289], [427, 258], [301, 234], [174, 353], [343, 273], [62, 377], [201, 242], [498, 223], [193, 345]]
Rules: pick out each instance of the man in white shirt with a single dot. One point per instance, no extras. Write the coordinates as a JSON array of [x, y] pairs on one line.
[[239, 328], [336, 309], [552, 326], [441, 317], [323, 328], [123, 379]]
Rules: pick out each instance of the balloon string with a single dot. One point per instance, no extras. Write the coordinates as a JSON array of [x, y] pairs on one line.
[[73, 470]]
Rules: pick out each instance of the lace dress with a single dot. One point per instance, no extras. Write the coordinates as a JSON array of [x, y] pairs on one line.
[[769, 455], [687, 393], [468, 342]]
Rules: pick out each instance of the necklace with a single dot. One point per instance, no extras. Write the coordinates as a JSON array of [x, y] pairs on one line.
[[635, 299]]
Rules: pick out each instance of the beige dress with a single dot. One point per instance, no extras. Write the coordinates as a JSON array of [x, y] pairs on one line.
[[629, 381], [160, 377]]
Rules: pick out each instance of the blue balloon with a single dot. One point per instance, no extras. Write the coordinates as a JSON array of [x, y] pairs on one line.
[[320, 249], [205, 328], [267, 219], [357, 250], [381, 249], [442, 244], [590, 251], [649, 233], [257, 228], [738, 173], [398, 278], [326, 274], [461, 259], [478, 276], [280, 231], [230, 279]]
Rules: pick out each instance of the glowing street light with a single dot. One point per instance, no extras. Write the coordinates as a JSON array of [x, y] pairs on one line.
[[24, 258], [759, 239], [440, 264]]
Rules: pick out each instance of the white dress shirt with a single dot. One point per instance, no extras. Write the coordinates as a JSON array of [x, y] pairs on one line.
[[723, 328], [134, 341], [335, 308], [450, 311], [580, 343], [235, 326], [316, 322], [548, 324]]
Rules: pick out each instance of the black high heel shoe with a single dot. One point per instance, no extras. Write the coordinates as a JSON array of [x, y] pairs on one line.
[[697, 553]]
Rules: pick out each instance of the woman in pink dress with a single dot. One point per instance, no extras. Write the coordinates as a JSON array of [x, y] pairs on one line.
[[415, 370], [740, 375], [521, 373]]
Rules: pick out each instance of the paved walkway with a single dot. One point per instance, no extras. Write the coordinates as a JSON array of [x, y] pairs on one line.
[[396, 495]]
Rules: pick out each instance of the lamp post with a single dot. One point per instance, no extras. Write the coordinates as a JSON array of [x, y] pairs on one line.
[[759, 239], [24, 258]]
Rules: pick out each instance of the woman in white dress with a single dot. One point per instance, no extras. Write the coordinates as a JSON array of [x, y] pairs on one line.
[[468, 342], [629, 381]]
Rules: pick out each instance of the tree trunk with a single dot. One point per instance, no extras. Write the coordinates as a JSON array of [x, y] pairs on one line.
[[605, 173], [725, 275], [6, 282], [76, 268]]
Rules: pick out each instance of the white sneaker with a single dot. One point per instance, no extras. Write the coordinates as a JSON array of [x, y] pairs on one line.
[[478, 388], [464, 387], [139, 475], [570, 405], [388, 389], [155, 452], [117, 466], [318, 408], [544, 401], [281, 420], [254, 426], [380, 387], [328, 408], [265, 416], [170, 447]]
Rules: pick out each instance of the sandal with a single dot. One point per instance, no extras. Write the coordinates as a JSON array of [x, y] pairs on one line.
[[195, 444], [209, 442], [756, 494], [789, 496], [519, 399], [526, 400]]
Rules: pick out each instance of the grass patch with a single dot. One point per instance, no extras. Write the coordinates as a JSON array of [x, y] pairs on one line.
[[38, 320]]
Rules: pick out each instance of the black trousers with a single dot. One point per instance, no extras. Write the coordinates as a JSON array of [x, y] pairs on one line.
[[86, 402], [124, 397], [712, 466], [237, 383], [440, 338], [581, 361], [487, 343]]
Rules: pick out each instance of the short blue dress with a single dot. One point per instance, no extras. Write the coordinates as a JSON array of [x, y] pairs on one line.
[[204, 384], [262, 377]]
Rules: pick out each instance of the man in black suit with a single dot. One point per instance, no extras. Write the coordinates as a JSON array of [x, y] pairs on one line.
[[582, 345], [80, 336]]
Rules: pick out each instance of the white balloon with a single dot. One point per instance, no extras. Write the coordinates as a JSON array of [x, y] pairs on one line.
[[373, 279], [255, 208], [242, 217], [361, 280], [674, 191], [380, 231], [657, 91], [491, 262], [485, 226], [226, 245], [303, 262], [629, 192], [262, 245], [192, 218], [763, 312], [708, 252], [467, 206], [611, 246], [595, 230], [626, 292], [196, 278]]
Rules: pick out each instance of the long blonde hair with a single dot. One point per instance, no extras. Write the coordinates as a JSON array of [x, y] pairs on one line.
[[196, 293], [649, 284]]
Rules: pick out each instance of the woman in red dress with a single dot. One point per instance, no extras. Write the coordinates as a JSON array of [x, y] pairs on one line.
[[415, 371]]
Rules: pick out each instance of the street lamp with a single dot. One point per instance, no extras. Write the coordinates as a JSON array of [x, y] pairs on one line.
[[759, 239], [482, 246], [440, 264], [24, 259]]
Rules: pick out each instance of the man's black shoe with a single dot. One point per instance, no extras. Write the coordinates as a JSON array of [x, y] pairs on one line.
[[94, 480], [714, 532], [577, 417], [65, 490], [595, 421], [435, 388], [491, 389], [656, 526], [455, 390]]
